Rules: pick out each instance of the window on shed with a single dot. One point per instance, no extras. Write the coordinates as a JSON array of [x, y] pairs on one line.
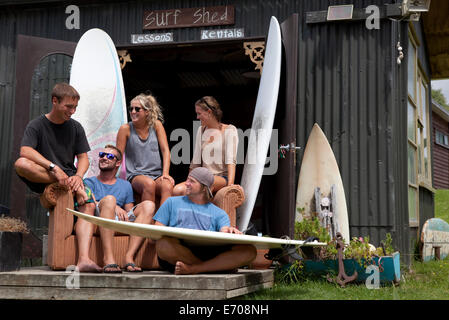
[[418, 129], [424, 167]]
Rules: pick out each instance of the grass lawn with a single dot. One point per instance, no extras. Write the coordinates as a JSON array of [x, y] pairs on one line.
[[442, 204], [424, 281]]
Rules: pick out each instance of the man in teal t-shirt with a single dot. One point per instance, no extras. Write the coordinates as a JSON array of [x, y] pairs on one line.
[[195, 211], [114, 200]]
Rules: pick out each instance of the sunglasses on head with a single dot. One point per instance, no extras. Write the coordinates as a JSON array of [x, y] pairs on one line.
[[110, 156], [130, 109]]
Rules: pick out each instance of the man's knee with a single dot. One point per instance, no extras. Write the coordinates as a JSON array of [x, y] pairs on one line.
[[165, 245], [247, 249], [107, 206], [148, 206], [108, 200], [145, 209], [22, 165]]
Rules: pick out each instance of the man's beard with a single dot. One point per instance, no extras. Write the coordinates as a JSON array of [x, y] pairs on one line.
[[106, 168]]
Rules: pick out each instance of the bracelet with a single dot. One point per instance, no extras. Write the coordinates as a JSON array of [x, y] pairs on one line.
[[79, 176]]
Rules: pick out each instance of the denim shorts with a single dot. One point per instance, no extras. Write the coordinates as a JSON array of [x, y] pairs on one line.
[[131, 215]]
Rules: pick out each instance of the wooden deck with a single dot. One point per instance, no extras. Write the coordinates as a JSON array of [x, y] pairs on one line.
[[44, 284]]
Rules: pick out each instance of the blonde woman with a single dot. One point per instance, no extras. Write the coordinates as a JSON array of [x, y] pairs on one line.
[[140, 141], [215, 146]]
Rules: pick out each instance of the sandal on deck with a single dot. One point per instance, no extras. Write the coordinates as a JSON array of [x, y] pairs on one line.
[[133, 266], [115, 268]]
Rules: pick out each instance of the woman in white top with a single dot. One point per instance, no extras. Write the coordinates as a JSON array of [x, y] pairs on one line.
[[215, 146]]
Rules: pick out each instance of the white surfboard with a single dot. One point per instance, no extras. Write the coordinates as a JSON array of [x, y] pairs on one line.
[[97, 76], [193, 237], [435, 238], [319, 168], [262, 125]]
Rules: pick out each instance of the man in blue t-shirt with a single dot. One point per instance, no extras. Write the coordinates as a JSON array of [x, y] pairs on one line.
[[114, 199], [195, 211]]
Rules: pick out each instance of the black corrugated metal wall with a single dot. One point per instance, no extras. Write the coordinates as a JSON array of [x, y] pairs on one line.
[[348, 82], [348, 85], [7, 70]]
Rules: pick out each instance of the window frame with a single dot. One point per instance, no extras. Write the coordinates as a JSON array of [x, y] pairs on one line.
[[418, 98], [443, 136]]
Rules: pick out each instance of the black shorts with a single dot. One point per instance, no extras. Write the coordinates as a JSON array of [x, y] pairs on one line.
[[203, 253], [33, 186]]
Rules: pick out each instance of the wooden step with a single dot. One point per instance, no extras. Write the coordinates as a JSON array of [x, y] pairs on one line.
[[44, 284]]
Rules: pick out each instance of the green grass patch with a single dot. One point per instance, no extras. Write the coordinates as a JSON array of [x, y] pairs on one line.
[[424, 281], [442, 204]]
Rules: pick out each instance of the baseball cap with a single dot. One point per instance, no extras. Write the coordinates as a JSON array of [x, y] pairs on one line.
[[203, 176]]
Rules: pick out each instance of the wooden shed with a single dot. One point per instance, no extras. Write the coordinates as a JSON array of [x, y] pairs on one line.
[[362, 74], [440, 133]]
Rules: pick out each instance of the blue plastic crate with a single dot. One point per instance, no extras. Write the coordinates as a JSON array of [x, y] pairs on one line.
[[389, 269]]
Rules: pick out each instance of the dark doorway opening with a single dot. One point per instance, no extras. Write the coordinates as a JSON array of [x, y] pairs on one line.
[[179, 75]]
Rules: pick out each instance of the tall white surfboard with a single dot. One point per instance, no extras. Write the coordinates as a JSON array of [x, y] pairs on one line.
[[97, 76], [192, 236], [262, 125], [319, 168]]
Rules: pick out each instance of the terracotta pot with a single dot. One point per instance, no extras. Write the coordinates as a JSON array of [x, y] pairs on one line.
[[261, 262], [10, 250]]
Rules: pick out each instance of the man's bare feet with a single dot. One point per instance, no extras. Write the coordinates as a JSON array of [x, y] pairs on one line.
[[182, 268], [88, 266]]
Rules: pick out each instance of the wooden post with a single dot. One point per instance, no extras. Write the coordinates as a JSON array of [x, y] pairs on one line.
[[437, 252]]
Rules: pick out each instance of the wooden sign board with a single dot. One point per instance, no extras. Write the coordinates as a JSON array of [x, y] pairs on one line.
[[188, 17]]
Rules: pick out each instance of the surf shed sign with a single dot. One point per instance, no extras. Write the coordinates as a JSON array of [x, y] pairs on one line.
[[188, 17]]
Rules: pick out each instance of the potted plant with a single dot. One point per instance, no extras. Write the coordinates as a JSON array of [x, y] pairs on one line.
[[358, 254], [11, 230]]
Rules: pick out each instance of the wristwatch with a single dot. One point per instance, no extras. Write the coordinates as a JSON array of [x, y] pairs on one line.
[[51, 166]]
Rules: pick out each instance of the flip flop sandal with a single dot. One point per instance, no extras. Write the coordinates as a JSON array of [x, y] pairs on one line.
[[132, 265], [115, 267]]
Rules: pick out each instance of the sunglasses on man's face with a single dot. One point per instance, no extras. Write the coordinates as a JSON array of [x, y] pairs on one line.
[[130, 109], [110, 156]]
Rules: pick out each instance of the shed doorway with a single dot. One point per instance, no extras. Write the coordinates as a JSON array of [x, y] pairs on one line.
[[179, 75]]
